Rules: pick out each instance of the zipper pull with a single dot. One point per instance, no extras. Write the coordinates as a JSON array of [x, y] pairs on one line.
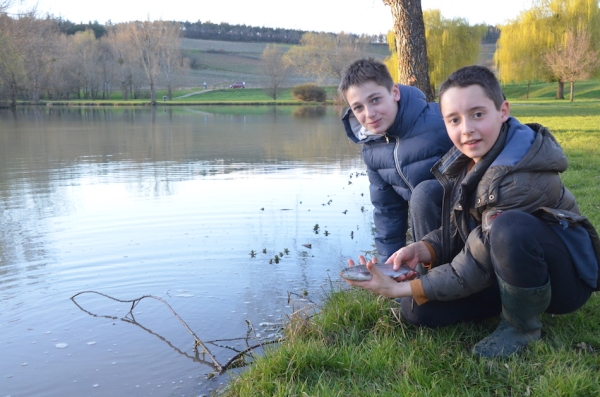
[[387, 139]]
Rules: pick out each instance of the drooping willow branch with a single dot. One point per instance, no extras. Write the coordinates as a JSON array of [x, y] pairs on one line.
[[134, 303]]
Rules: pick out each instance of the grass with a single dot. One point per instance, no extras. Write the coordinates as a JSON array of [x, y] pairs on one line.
[[356, 346]]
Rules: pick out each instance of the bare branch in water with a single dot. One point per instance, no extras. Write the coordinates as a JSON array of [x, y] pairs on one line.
[[236, 361], [134, 303], [232, 362]]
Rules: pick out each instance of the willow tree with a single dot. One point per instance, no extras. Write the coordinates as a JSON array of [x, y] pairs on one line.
[[520, 49], [392, 61], [451, 44], [411, 47], [523, 43]]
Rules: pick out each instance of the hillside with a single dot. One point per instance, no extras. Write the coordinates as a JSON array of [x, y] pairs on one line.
[[221, 63]]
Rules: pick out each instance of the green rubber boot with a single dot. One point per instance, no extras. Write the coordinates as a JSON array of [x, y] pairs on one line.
[[520, 323]]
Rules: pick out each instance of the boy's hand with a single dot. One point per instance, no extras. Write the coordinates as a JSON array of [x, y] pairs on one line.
[[380, 283], [363, 261], [409, 256]]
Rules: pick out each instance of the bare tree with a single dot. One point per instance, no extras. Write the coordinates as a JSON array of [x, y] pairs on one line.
[[574, 59], [347, 48], [5, 5], [26, 53], [276, 69], [62, 77], [170, 55], [411, 46], [122, 53], [85, 48], [150, 42], [12, 68], [325, 55], [106, 66]]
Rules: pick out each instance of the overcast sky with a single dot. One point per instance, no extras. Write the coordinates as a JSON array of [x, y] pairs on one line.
[[353, 16]]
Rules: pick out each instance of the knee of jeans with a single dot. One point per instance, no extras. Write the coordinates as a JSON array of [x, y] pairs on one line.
[[413, 315], [511, 226], [427, 192], [406, 308]]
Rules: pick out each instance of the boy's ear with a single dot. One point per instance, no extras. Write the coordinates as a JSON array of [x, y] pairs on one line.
[[396, 92], [505, 111]]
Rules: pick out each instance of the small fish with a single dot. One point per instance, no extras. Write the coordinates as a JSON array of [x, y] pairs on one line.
[[361, 273]]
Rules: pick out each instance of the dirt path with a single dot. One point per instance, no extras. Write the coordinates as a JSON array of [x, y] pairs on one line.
[[193, 93]]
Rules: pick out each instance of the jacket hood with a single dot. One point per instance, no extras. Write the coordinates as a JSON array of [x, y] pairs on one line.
[[519, 146], [412, 103]]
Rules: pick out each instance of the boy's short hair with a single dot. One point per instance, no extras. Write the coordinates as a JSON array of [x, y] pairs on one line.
[[475, 75], [363, 71]]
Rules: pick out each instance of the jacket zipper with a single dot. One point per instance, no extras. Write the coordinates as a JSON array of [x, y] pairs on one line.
[[446, 204], [397, 145]]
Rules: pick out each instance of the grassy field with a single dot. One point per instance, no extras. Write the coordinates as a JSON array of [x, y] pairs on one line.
[[221, 63], [357, 346]]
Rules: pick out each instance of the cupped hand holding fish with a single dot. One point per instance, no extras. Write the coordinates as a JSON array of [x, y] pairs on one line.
[[381, 283]]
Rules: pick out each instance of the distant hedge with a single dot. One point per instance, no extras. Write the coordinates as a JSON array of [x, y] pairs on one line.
[[309, 93]]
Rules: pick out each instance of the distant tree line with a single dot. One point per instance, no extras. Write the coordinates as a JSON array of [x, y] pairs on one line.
[[228, 32], [41, 58], [70, 28], [215, 31]]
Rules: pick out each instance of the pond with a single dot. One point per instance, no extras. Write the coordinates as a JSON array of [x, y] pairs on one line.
[[233, 217]]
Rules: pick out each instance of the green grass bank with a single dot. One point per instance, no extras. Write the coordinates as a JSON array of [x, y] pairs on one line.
[[356, 345], [537, 93]]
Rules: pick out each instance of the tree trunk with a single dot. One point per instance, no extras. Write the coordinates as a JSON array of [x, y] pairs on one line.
[[152, 93], [560, 90], [13, 96], [572, 90], [409, 29]]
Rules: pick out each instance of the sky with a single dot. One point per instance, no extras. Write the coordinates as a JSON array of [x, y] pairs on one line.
[[351, 16]]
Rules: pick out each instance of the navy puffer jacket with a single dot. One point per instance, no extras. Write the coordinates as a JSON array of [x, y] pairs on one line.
[[398, 161]]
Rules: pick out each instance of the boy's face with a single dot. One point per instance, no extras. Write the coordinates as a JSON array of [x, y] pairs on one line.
[[374, 106], [472, 120]]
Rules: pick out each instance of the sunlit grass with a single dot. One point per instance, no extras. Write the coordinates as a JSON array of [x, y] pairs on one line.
[[356, 346]]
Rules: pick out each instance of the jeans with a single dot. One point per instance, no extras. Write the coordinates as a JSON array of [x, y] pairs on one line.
[[525, 253], [425, 208]]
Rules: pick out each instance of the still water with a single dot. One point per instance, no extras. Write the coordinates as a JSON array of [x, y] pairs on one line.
[[233, 216]]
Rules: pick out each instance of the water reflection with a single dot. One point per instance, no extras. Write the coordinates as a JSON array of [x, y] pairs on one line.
[[202, 353], [166, 202], [310, 112]]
